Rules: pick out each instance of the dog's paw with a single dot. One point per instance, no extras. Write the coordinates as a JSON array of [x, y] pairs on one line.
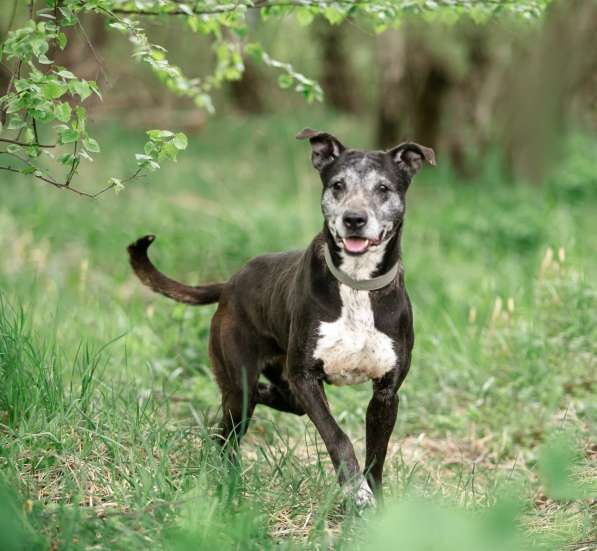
[[361, 495]]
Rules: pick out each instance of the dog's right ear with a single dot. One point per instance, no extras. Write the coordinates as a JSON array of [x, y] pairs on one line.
[[325, 148]]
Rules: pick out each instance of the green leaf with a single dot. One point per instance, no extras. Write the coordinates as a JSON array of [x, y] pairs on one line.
[[91, 145], [304, 16], [14, 105], [150, 148], [63, 112], [180, 141], [13, 148], [254, 50], [119, 26], [33, 152], [160, 135], [53, 89], [68, 136], [285, 80], [68, 17], [63, 73], [62, 40], [84, 155], [169, 151], [118, 185], [28, 136], [333, 15], [22, 84], [15, 122], [67, 160], [204, 101], [95, 89], [185, 8], [81, 88], [81, 113]]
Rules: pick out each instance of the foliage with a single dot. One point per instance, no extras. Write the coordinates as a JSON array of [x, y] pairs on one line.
[[45, 99]]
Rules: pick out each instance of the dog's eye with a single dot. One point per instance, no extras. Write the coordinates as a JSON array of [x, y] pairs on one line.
[[338, 185], [382, 188]]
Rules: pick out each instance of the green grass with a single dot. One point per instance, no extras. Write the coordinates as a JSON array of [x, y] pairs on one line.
[[107, 401]]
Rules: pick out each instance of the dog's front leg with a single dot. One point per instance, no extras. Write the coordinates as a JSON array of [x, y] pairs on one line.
[[381, 418], [309, 390]]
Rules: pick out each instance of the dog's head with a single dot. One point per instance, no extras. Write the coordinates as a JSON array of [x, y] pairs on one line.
[[363, 198]]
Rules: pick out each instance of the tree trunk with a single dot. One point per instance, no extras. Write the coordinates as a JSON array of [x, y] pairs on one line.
[[413, 88], [246, 94], [336, 79], [391, 105]]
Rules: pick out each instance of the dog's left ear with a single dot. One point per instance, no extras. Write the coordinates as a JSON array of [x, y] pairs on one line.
[[325, 147], [410, 156]]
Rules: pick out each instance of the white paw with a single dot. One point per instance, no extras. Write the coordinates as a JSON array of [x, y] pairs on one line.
[[363, 497]]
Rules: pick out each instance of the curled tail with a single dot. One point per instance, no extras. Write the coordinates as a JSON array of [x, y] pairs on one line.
[[152, 277]]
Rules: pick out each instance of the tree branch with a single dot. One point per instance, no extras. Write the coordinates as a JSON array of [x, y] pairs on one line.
[[227, 8], [58, 184], [16, 142], [260, 5], [66, 185]]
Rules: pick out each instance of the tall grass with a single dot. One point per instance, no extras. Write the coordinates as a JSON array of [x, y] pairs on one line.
[[107, 401]]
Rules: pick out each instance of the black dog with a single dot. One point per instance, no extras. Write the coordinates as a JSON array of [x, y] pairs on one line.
[[337, 312]]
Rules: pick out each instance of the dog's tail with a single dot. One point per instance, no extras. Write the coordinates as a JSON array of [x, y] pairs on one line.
[[152, 277]]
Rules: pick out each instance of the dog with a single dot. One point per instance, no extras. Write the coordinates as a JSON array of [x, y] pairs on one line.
[[337, 312]]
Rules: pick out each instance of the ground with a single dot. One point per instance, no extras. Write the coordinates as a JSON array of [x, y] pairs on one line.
[[107, 401]]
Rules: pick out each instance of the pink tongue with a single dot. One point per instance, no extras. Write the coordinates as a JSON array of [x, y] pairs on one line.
[[355, 244]]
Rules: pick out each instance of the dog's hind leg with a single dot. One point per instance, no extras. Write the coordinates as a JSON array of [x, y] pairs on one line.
[[235, 365], [237, 409]]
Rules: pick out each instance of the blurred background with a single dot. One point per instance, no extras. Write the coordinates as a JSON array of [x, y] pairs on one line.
[[106, 397], [465, 87]]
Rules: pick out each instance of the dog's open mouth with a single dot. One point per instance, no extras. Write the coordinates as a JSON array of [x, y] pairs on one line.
[[358, 245]]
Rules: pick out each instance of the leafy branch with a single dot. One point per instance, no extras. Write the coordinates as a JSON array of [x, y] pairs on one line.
[[45, 98]]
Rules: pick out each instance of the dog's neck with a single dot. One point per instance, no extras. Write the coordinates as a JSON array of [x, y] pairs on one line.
[[372, 263]]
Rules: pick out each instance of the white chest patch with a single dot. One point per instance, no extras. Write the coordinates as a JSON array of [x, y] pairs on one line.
[[351, 348]]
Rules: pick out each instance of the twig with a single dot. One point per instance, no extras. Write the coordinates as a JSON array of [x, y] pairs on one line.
[[16, 142], [52, 182], [133, 176], [40, 176], [91, 47], [35, 130], [66, 185], [73, 167]]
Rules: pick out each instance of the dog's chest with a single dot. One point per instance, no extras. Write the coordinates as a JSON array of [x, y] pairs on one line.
[[351, 348]]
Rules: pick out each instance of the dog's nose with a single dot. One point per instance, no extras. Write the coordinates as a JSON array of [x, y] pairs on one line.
[[354, 220]]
